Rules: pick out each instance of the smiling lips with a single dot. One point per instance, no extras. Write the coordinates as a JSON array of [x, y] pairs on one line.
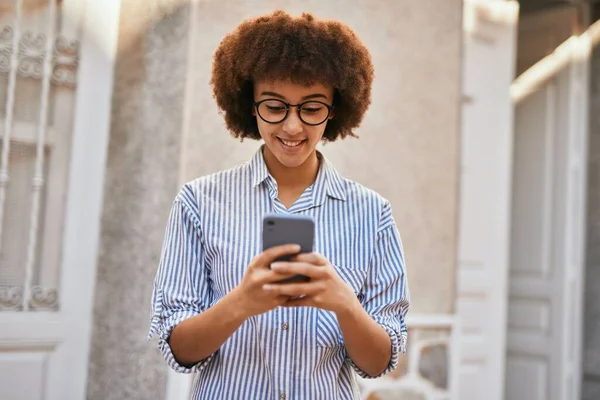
[[290, 143]]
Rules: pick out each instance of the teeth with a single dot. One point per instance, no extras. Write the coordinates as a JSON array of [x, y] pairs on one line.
[[290, 143]]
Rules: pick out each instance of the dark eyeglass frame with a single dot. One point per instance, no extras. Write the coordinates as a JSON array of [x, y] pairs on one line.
[[298, 108]]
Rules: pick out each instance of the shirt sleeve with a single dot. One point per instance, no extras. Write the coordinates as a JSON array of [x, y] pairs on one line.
[[181, 287], [385, 295]]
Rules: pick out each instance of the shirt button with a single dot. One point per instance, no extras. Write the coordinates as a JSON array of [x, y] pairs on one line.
[[285, 327], [282, 396]]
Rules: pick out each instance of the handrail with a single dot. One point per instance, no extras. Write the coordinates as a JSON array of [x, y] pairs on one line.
[[574, 48]]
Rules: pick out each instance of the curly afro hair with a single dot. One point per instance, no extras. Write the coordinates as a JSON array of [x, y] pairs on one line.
[[303, 50]]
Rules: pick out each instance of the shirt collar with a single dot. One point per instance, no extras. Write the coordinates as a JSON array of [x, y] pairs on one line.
[[258, 168], [329, 182]]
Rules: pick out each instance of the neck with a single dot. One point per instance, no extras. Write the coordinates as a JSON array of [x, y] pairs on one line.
[[299, 177]]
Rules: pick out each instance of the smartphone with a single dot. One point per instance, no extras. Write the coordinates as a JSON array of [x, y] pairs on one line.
[[279, 229]]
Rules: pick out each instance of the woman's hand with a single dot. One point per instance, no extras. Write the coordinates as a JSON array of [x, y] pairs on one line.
[[250, 295], [325, 290]]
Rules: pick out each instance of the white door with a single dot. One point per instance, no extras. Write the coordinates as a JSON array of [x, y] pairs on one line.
[[485, 181], [56, 68], [547, 240]]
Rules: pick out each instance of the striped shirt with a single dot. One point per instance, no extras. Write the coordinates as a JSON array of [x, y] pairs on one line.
[[213, 232]]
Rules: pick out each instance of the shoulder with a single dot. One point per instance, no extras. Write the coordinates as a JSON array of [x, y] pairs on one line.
[[361, 197], [214, 187], [358, 193]]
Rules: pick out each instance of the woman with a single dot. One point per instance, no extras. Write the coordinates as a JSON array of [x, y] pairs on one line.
[[218, 308]]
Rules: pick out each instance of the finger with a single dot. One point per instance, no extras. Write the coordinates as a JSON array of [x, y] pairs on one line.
[[300, 302], [299, 268], [294, 289], [313, 258], [270, 254], [262, 276], [273, 277]]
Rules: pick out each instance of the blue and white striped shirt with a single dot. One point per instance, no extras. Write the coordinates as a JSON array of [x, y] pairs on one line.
[[213, 232]]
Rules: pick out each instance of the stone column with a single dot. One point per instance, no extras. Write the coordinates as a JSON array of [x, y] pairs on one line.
[[142, 179]]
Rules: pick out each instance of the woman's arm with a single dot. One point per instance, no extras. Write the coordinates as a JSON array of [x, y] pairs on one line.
[[368, 344], [374, 328], [196, 338], [190, 327]]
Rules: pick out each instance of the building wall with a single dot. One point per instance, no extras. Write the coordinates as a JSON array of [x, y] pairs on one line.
[[408, 145], [166, 131], [542, 31], [591, 356], [536, 5]]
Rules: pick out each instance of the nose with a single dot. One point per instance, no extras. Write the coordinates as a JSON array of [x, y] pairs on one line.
[[292, 124]]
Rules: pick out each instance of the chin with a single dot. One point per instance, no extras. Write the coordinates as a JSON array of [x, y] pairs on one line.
[[289, 161], [290, 157], [294, 163]]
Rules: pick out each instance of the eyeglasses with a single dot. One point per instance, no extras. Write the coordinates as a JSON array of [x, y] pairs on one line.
[[274, 111]]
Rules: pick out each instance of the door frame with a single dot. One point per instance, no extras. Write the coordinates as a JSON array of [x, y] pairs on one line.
[[63, 338], [575, 55], [91, 128], [485, 195]]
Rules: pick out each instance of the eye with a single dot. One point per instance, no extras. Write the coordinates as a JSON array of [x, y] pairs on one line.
[[274, 107], [312, 109]]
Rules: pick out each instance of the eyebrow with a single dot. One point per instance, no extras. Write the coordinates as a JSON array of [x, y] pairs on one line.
[[310, 96]]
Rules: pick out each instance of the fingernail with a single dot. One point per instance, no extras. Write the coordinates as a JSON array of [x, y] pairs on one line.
[[268, 287], [276, 265]]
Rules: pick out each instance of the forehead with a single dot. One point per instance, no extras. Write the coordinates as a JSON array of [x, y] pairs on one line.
[[292, 91]]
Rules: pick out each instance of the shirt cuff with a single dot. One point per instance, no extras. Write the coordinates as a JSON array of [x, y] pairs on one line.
[[398, 335], [163, 344]]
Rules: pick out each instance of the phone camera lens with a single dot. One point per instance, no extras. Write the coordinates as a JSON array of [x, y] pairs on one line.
[[271, 223]]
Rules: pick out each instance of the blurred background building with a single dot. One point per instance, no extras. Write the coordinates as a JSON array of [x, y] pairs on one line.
[[483, 132]]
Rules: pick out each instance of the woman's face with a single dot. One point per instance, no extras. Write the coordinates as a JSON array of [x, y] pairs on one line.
[[292, 141]]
